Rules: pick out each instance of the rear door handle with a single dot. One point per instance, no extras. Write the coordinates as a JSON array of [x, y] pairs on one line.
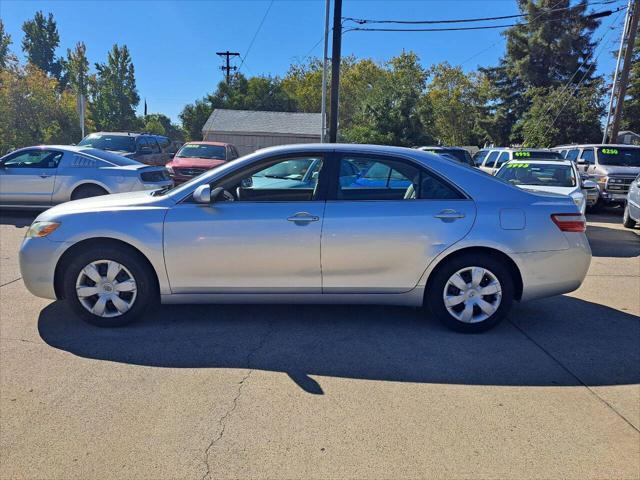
[[449, 214], [44, 176], [303, 217]]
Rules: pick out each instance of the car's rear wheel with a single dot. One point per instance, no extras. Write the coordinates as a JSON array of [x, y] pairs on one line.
[[471, 293], [627, 221], [108, 287], [87, 191]]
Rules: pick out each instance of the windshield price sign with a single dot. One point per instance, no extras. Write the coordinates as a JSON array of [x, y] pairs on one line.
[[610, 151], [517, 165], [522, 154]]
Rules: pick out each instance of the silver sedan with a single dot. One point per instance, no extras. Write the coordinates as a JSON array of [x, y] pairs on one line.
[[38, 177], [313, 223]]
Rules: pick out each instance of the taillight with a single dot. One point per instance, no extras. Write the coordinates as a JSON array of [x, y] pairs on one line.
[[570, 222]]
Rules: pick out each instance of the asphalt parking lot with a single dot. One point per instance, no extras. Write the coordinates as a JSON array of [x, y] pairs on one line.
[[326, 392]]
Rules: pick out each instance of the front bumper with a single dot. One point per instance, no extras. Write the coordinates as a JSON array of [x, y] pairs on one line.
[[38, 260], [545, 274]]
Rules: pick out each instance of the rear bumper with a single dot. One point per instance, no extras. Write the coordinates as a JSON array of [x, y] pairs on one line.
[[545, 274]]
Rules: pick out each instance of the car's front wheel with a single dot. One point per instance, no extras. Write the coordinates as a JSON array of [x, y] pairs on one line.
[[109, 287], [627, 221], [471, 293]]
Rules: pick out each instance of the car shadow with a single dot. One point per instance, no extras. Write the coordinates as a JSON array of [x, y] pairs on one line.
[[17, 218], [368, 342], [613, 242]]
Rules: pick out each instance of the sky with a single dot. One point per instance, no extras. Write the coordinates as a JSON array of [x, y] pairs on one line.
[[173, 43]]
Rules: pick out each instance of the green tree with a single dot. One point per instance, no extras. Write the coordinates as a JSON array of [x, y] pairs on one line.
[[40, 42], [194, 116], [576, 117], [552, 48], [454, 102], [77, 69], [161, 125], [34, 111], [113, 92], [303, 83], [5, 41], [631, 113], [393, 110]]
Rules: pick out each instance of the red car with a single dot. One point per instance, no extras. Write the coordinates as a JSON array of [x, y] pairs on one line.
[[195, 158]]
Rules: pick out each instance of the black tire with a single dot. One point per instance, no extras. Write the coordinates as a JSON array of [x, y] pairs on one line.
[[436, 288], [627, 221], [146, 295], [87, 191]]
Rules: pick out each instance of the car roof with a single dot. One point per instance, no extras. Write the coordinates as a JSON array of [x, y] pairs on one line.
[[542, 162], [207, 142], [520, 149], [580, 145], [439, 147]]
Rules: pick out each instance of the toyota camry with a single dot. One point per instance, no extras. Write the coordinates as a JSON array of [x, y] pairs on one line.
[[313, 224]]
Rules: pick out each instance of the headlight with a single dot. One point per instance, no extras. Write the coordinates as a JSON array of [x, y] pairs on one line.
[[169, 169], [42, 229]]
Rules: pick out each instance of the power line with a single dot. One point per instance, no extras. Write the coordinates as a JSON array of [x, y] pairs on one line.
[[604, 13], [264, 17], [501, 39], [363, 21]]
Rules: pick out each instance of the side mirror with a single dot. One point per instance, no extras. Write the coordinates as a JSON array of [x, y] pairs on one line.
[[581, 161], [203, 194], [589, 184]]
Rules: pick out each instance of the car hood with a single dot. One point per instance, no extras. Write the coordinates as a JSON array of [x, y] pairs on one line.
[[549, 189], [118, 201], [192, 162], [618, 170]]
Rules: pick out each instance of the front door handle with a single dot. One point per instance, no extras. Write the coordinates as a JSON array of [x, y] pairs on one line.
[[44, 175], [449, 214], [303, 217]]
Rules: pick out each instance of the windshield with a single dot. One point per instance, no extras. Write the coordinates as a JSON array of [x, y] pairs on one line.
[[624, 157], [116, 159], [539, 155], [538, 174], [116, 143], [202, 150]]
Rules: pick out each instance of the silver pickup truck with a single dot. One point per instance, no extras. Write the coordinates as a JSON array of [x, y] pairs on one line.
[[613, 167]]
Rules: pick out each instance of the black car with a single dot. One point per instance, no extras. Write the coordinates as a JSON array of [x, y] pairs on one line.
[[456, 153]]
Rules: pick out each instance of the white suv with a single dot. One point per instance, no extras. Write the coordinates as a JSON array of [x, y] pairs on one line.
[[496, 157]]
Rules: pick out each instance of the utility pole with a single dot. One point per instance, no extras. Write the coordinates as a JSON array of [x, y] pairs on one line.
[[335, 69], [228, 68], [621, 80], [323, 110]]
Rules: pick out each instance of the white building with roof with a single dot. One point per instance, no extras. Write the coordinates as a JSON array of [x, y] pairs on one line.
[[251, 130]]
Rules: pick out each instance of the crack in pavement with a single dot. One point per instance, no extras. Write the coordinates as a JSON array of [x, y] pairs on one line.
[[566, 369], [9, 283], [222, 422]]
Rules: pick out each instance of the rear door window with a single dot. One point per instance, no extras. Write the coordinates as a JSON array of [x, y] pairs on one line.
[[588, 156], [491, 158]]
